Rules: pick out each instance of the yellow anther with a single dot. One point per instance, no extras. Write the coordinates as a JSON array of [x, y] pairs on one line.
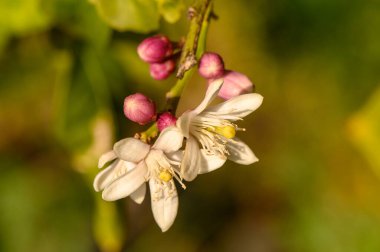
[[165, 176], [226, 131]]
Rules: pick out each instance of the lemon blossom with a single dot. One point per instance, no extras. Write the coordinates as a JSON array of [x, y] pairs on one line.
[[134, 163], [210, 132]]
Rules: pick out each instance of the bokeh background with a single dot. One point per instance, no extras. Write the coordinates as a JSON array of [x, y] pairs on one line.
[[63, 77]]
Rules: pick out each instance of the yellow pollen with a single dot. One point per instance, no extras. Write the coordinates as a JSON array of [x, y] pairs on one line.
[[226, 131], [165, 176]]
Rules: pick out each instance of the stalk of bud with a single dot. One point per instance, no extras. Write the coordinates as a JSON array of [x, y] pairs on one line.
[[211, 66], [234, 84], [161, 71], [139, 108], [165, 120], [155, 49]]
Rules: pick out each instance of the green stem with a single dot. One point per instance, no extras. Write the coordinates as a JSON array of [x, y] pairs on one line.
[[147, 135], [203, 32], [197, 14], [193, 49]]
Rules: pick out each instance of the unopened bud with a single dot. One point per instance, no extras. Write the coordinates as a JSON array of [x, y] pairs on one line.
[[234, 84], [165, 120], [161, 71], [139, 108], [155, 49], [211, 66]]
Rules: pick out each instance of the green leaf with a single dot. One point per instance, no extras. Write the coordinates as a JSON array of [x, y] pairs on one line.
[[134, 15], [80, 100], [108, 229], [37, 214], [22, 16], [80, 20], [171, 9]]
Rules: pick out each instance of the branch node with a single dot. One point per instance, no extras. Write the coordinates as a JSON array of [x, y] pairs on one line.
[[189, 62]]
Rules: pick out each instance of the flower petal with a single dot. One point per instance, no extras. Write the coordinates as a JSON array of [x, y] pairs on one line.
[[131, 149], [127, 184], [238, 107], [211, 93], [240, 152], [210, 162], [164, 203], [183, 122], [175, 156], [139, 195], [106, 176], [185, 119], [128, 165], [106, 157], [169, 140], [191, 161], [111, 173]]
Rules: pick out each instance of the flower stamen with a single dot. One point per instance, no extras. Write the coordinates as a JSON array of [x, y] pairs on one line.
[[165, 176], [226, 131], [213, 134]]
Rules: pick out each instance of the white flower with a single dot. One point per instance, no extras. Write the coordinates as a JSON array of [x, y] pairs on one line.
[[214, 129], [136, 162]]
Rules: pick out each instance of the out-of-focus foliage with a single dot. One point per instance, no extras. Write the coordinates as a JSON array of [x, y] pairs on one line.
[[135, 15], [20, 18], [64, 74], [171, 10], [138, 15], [364, 129]]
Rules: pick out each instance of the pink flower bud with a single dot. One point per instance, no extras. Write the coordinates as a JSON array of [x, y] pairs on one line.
[[234, 84], [139, 108], [166, 120], [161, 71], [155, 49], [211, 66]]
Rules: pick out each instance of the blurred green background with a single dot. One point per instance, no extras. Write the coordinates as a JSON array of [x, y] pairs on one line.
[[63, 77]]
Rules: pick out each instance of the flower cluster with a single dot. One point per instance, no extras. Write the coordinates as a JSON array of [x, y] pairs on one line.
[[199, 141]]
